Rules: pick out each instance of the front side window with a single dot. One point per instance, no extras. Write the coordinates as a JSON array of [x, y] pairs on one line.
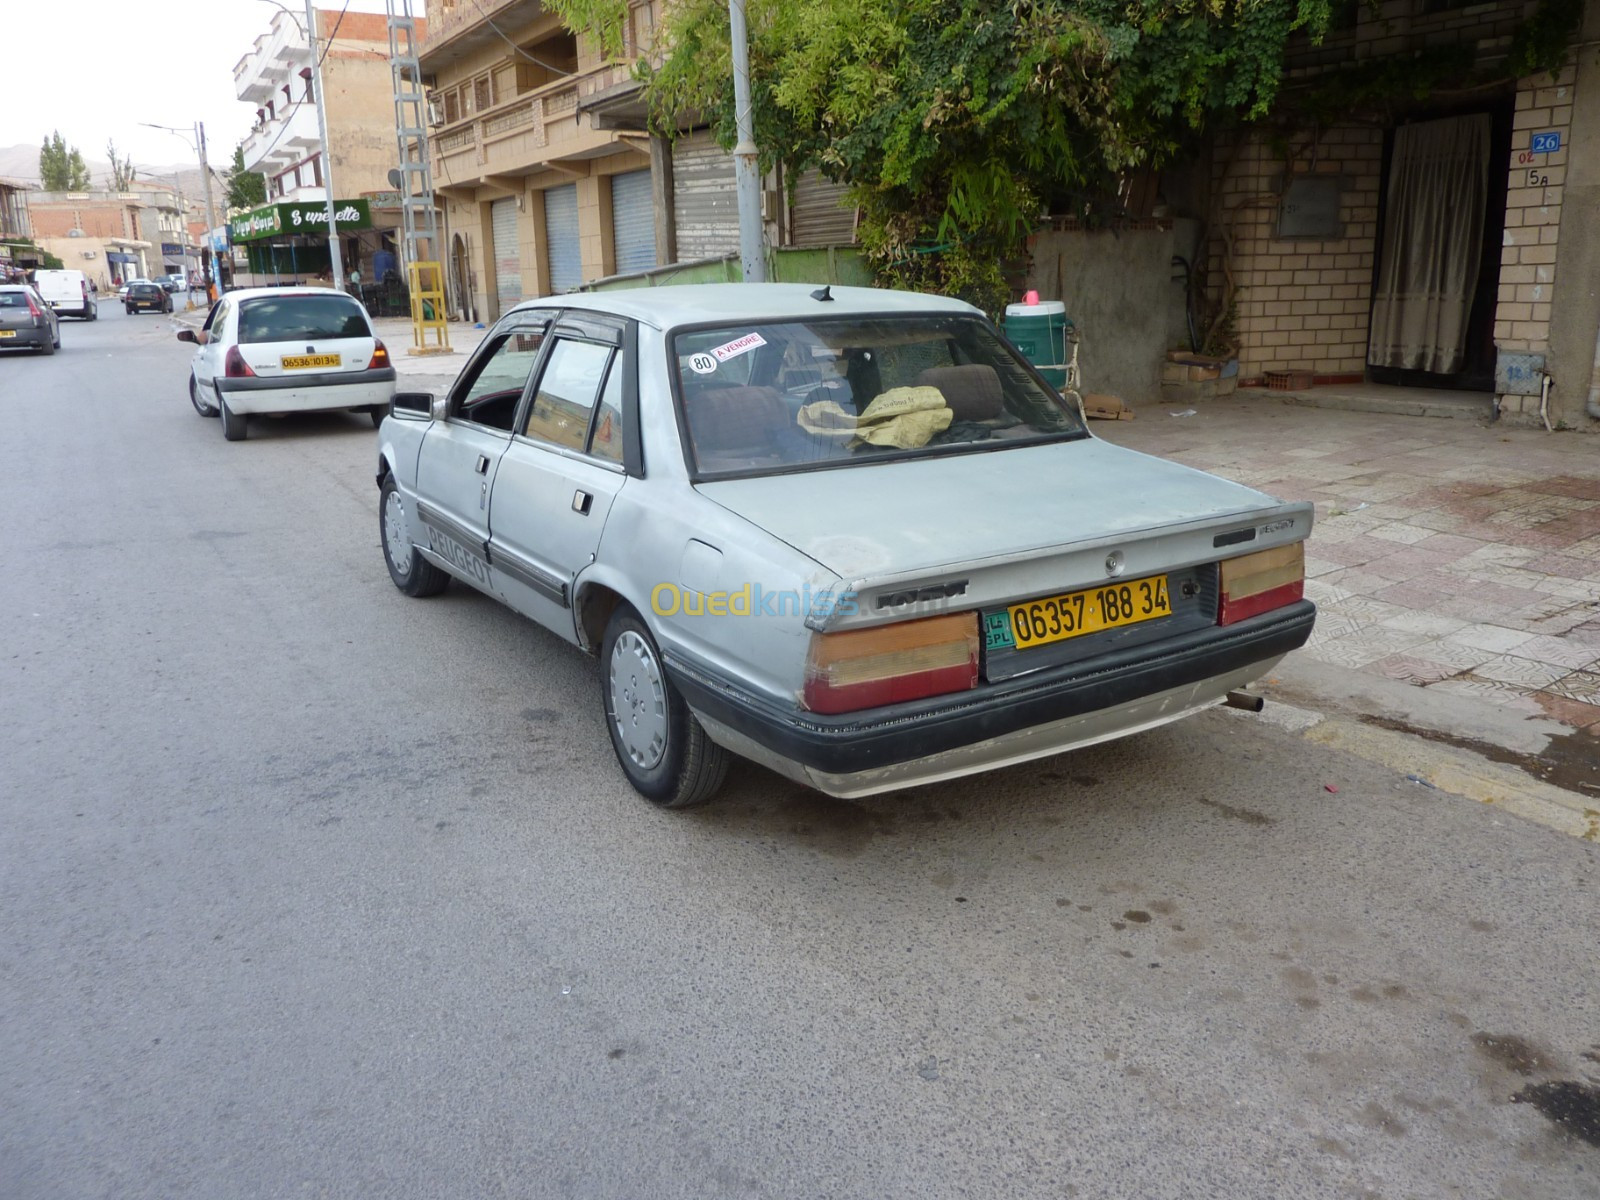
[[492, 394], [567, 392], [758, 399], [299, 318]]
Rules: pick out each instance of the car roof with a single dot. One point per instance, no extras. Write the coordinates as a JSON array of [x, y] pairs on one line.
[[748, 303], [257, 293]]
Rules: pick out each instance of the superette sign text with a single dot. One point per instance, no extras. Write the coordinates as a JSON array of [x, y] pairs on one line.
[[301, 219]]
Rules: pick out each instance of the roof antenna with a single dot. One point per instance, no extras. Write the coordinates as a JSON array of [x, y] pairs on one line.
[[822, 293]]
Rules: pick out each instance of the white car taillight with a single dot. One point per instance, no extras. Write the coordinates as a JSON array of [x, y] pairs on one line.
[[234, 365], [1256, 583]]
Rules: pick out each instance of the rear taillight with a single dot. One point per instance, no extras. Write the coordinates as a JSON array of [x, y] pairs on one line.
[[908, 660], [33, 309], [380, 355], [234, 365], [1258, 583], [83, 284]]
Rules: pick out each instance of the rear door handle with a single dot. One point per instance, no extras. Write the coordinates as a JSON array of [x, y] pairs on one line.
[[581, 502]]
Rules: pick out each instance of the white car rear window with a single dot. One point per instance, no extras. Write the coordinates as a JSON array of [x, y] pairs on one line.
[[297, 318]]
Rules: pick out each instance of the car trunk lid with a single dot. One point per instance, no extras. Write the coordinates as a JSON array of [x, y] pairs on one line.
[[988, 529], [305, 334]]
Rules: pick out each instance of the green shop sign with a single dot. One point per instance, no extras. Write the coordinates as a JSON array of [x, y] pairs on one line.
[[279, 219]]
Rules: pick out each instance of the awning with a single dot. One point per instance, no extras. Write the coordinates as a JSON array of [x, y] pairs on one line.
[[274, 220], [118, 257]]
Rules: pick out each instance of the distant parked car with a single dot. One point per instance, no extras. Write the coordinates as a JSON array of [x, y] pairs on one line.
[[174, 282], [67, 292], [147, 297], [26, 320], [283, 350]]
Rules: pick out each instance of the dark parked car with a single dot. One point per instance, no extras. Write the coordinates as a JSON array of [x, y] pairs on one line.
[[26, 320], [147, 297]]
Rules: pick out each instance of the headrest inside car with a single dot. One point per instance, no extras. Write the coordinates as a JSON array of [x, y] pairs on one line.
[[972, 392]]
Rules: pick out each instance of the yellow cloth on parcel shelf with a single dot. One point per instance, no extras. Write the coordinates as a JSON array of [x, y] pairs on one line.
[[902, 417]]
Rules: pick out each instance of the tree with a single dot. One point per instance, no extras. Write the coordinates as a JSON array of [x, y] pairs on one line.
[[246, 189], [958, 123], [122, 170], [61, 168]]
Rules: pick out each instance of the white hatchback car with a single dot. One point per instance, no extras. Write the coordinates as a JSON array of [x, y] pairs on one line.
[[287, 350]]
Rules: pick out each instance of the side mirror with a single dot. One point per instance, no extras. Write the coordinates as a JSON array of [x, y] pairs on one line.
[[187, 335], [440, 409], [411, 404]]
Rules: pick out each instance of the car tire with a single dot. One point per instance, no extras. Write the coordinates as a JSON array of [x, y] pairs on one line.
[[47, 347], [663, 750], [56, 341], [411, 573], [128, 308], [200, 406], [378, 412], [234, 427]]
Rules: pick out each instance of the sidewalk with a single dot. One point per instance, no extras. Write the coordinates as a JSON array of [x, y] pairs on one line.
[[1457, 557]]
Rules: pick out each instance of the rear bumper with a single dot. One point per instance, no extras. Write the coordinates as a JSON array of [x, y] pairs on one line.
[[308, 393], [29, 337], [1040, 713]]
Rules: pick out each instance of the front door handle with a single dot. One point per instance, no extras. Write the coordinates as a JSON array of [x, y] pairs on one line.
[[482, 467], [581, 502]]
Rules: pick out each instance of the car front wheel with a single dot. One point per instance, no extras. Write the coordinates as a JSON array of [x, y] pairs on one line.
[[412, 574], [200, 406], [662, 749]]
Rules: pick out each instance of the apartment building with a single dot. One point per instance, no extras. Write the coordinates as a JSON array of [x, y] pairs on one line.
[[547, 174], [98, 233], [286, 239], [163, 223]]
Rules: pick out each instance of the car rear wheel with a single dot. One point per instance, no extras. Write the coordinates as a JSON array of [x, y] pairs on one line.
[[128, 308], [412, 574], [662, 749], [378, 412], [200, 406], [47, 347], [233, 424]]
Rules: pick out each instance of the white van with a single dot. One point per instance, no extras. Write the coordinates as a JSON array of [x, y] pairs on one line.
[[67, 292]]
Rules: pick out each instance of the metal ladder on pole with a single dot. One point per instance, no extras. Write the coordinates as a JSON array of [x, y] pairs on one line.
[[419, 217]]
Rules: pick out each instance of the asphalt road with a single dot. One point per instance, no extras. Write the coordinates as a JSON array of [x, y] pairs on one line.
[[308, 889]]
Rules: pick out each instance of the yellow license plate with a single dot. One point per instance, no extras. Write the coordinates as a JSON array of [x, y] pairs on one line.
[[304, 362], [1056, 618], [8, 333]]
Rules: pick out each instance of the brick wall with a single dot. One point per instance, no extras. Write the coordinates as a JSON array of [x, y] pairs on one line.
[[1533, 214], [1301, 304]]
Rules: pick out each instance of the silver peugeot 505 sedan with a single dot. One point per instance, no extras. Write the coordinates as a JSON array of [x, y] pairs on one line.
[[848, 533]]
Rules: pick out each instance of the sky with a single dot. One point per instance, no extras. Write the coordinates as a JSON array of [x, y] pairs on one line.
[[168, 62]]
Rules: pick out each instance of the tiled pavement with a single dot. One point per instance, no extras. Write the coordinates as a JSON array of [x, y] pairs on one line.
[[1451, 555]]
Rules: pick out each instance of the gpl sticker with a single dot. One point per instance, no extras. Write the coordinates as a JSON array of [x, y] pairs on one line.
[[702, 364]]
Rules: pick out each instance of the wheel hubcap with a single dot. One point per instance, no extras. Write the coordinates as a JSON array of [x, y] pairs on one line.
[[394, 534], [638, 701]]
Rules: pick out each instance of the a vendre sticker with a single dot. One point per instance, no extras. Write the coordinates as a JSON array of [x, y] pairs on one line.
[[738, 346]]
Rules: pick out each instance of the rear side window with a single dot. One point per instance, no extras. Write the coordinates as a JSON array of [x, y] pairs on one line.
[[296, 318]]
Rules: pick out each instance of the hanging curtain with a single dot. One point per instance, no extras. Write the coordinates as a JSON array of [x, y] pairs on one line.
[[1432, 244]]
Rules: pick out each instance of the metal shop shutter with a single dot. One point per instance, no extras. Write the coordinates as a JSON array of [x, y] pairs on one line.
[[507, 260], [561, 237], [633, 221], [704, 202], [817, 218]]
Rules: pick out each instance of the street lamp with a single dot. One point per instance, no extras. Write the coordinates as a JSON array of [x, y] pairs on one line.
[[199, 144]]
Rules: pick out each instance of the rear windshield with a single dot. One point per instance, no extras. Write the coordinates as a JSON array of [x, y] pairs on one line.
[[144, 289], [295, 318], [13, 300], [759, 399]]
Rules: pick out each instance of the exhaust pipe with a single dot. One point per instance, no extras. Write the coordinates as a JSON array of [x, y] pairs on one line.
[[1249, 701]]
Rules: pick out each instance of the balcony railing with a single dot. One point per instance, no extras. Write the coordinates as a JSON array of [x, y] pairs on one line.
[[549, 113]]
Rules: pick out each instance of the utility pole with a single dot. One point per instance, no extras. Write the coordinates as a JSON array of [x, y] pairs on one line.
[[210, 250], [327, 150], [746, 172]]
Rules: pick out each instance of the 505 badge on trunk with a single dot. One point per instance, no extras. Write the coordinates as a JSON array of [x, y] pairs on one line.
[[1055, 618]]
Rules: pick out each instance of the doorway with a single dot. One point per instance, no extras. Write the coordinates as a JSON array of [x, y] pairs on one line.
[[1416, 225]]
